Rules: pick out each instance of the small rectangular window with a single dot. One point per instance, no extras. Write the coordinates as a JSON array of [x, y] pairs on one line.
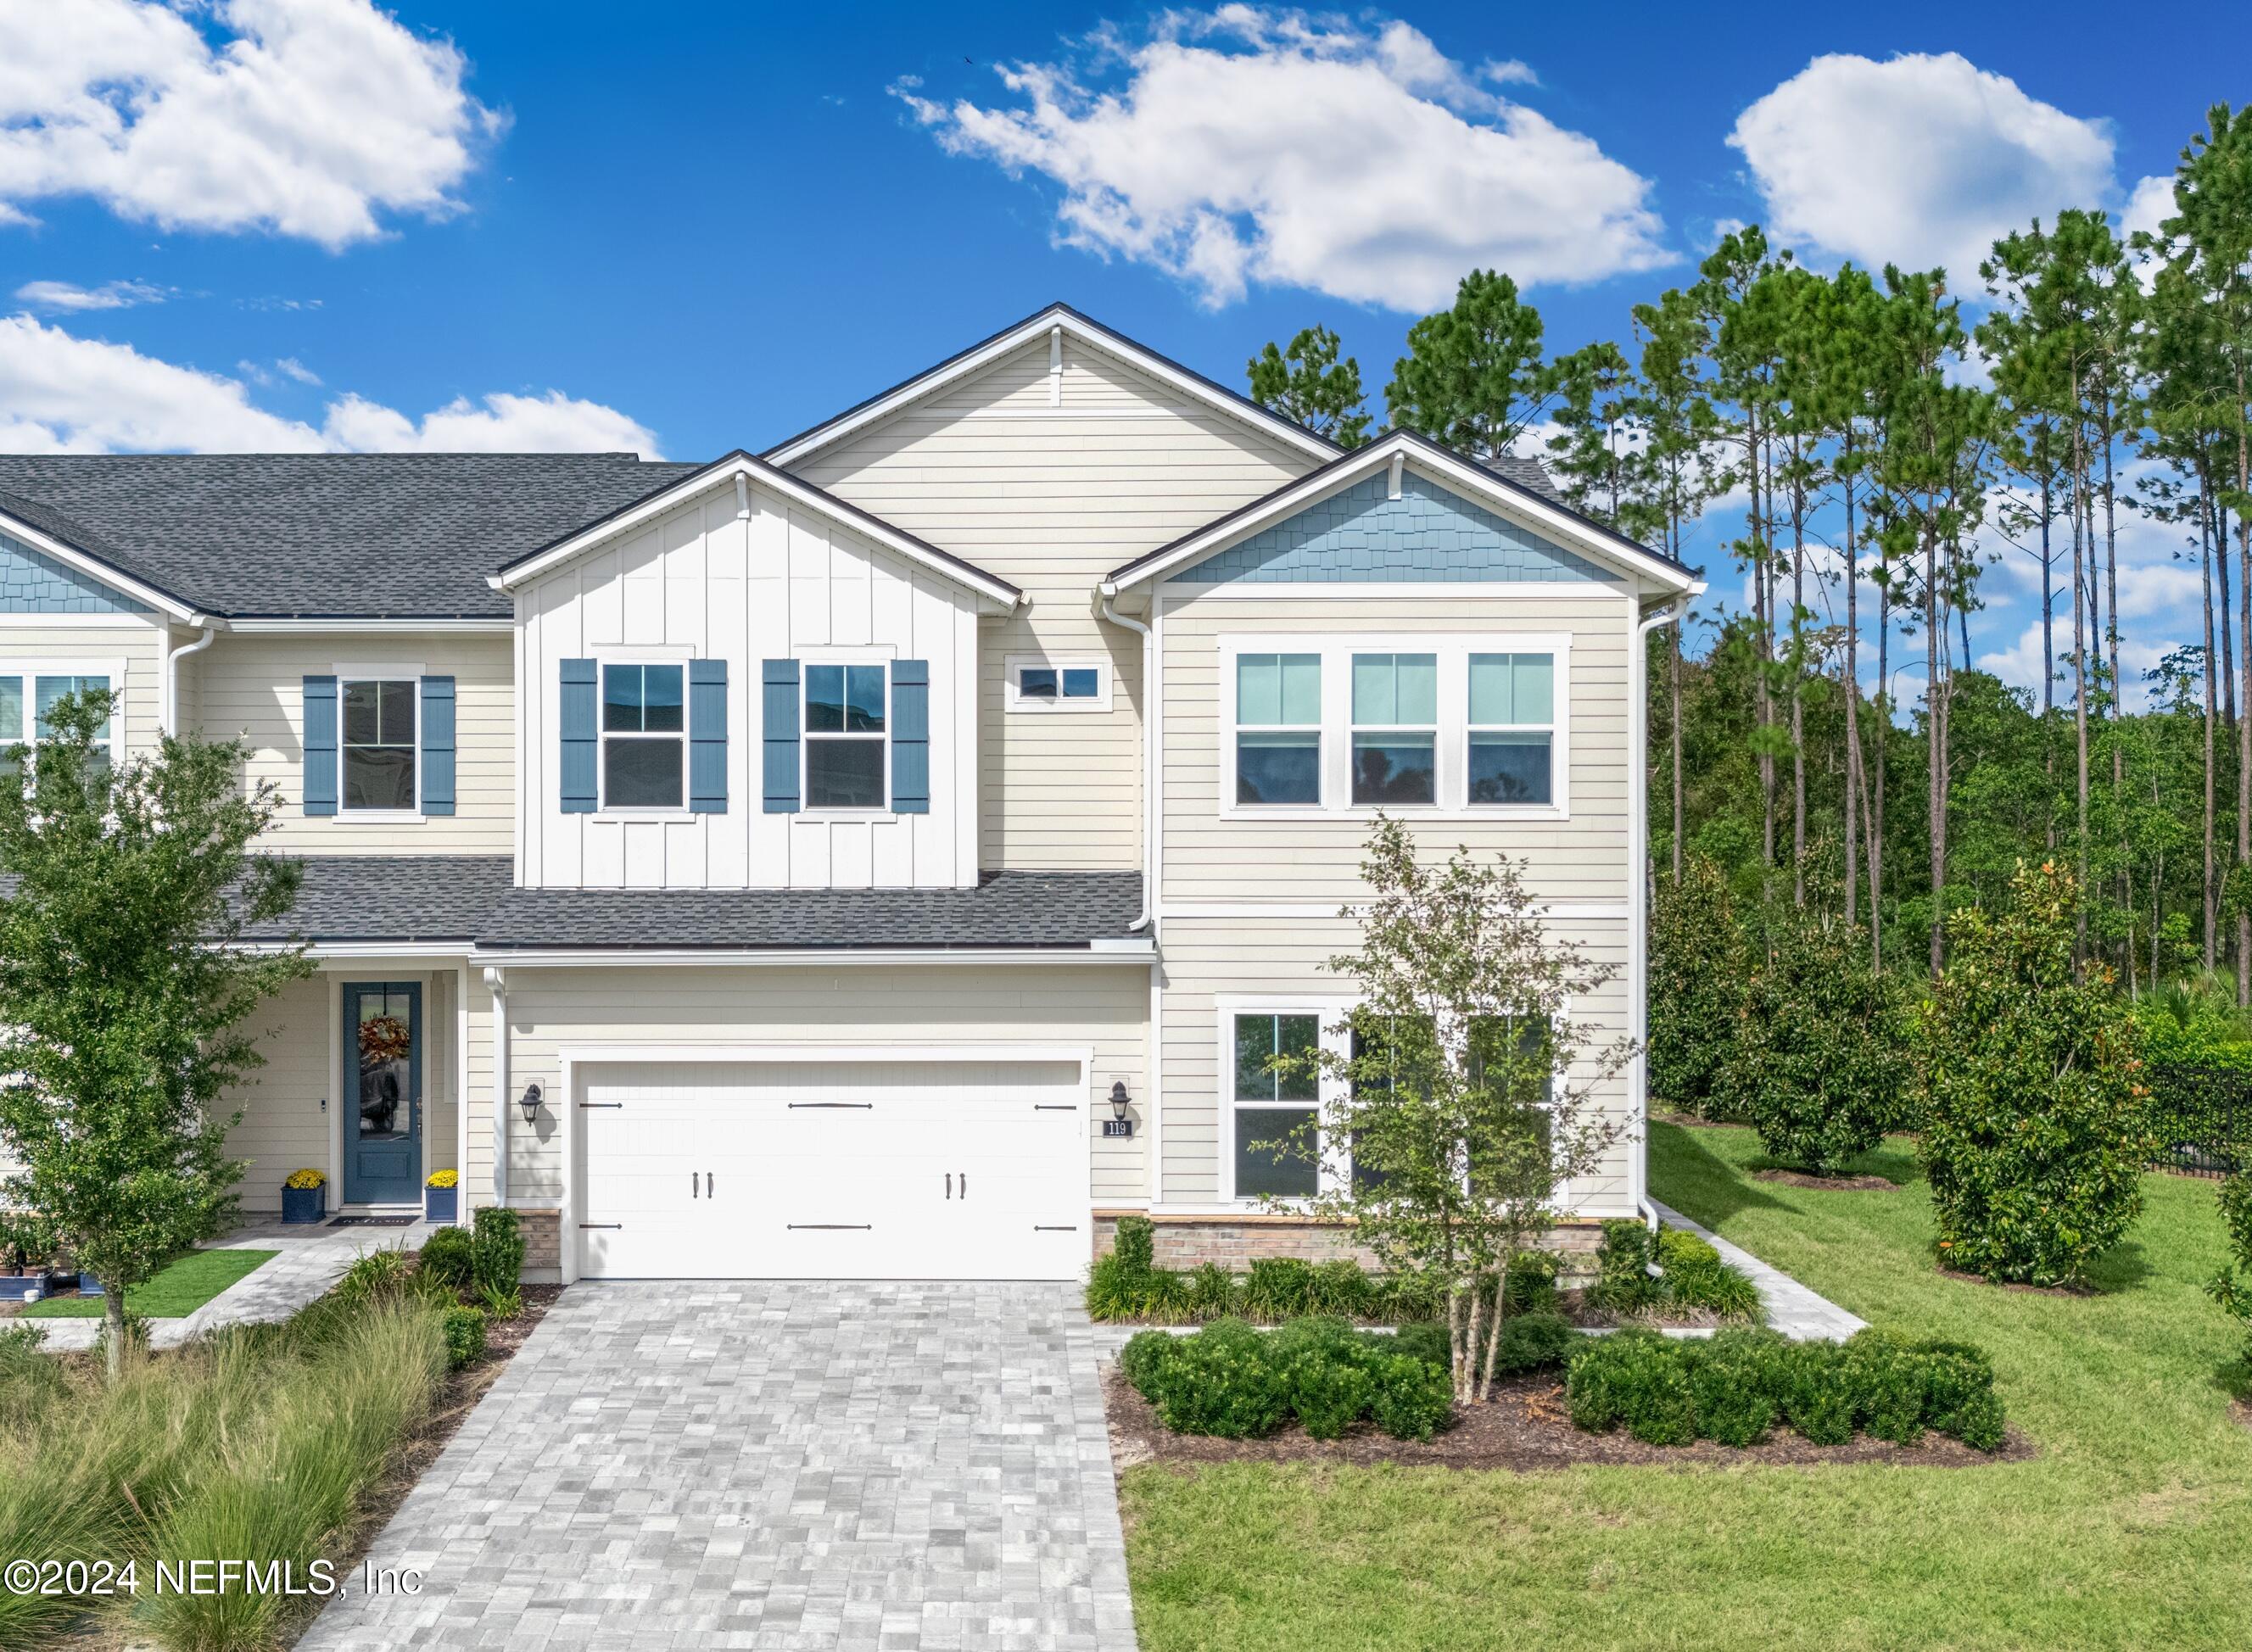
[[1278, 733], [1081, 683], [1036, 682], [1511, 729], [1274, 1153], [1040, 684], [28, 698], [1395, 728], [644, 736], [844, 736]]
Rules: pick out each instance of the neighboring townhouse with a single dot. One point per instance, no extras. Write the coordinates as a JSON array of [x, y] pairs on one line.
[[895, 854]]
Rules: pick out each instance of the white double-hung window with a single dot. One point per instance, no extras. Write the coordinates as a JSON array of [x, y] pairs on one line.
[[29, 693], [1457, 726]]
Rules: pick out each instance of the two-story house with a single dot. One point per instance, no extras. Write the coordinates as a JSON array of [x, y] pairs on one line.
[[894, 854]]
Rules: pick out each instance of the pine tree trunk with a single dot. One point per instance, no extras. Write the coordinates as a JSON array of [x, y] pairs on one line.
[[2080, 584], [2205, 563], [1883, 706], [1853, 709], [2048, 593], [1934, 724], [1797, 673]]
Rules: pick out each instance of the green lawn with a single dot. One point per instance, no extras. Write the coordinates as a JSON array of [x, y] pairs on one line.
[[2133, 1527], [174, 1294]]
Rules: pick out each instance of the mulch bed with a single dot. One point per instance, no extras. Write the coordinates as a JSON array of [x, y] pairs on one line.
[[1524, 1426], [1829, 1183]]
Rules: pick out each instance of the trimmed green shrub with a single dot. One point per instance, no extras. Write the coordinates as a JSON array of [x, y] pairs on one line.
[[1738, 1379], [449, 1259], [496, 1262], [1534, 1341], [1413, 1398], [465, 1336], [1624, 1282], [2232, 1286], [2035, 1131], [1817, 1395], [1136, 1244], [1222, 1381], [1887, 1383], [1696, 985], [1425, 1340], [1329, 1389], [1635, 1378], [1144, 1353]]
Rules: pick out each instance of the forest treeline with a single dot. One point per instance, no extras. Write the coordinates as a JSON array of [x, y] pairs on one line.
[[1918, 427]]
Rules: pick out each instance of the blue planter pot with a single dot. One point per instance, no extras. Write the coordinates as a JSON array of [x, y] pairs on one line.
[[88, 1285], [304, 1204], [441, 1203], [15, 1288]]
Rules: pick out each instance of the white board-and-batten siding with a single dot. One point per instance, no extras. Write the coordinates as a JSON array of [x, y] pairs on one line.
[[1050, 483], [701, 582]]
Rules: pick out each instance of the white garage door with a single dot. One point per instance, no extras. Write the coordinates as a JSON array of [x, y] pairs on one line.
[[834, 1170]]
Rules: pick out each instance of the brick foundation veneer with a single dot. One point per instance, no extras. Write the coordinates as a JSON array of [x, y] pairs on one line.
[[1234, 1241], [543, 1246]]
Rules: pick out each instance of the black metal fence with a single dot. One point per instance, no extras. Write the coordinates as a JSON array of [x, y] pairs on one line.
[[2205, 1117]]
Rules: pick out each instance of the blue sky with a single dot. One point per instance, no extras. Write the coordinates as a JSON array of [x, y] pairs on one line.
[[289, 223]]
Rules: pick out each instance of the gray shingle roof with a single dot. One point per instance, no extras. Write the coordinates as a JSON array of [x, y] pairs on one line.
[[1005, 909], [395, 536], [456, 898]]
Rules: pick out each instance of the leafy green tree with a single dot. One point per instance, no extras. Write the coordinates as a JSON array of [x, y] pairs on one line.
[[1463, 1094], [1698, 965], [1305, 381], [1472, 378], [1818, 1062], [2035, 1129], [1595, 454], [126, 988]]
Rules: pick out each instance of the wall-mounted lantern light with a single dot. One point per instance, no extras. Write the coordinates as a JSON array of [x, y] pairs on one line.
[[1118, 1124], [530, 1102]]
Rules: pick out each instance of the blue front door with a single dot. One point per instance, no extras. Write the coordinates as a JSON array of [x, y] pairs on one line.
[[383, 1092]]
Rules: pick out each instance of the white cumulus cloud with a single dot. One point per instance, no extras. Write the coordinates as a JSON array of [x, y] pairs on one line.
[[1251, 145], [62, 393], [306, 117], [67, 295], [1921, 160]]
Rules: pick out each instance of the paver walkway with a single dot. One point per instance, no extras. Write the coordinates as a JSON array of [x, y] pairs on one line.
[[308, 1261], [788, 1465], [1797, 1311]]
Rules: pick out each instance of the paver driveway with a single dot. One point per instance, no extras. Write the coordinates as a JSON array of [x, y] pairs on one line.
[[770, 1465]]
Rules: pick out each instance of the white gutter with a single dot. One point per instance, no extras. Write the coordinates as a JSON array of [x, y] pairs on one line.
[[497, 980], [171, 719], [1149, 755], [1638, 896]]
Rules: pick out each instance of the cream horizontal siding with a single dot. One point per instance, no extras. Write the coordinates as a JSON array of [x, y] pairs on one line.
[[1052, 498], [30, 644], [1207, 959], [254, 687], [673, 1008], [1209, 857], [701, 582], [284, 1127]]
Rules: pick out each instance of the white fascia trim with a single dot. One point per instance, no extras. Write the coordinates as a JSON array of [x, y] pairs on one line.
[[70, 557], [808, 957], [347, 951], [1046, 322], [1559, 911], [303, 626], [765, 475], [672, 1051], [1457, 475]]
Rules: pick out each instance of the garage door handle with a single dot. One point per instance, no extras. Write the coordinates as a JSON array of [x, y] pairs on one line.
[[950, 1184], [965, 1185], [1040, 1228], [863, 1105], [587, 1225], [588, 1107], [833, 1227], [1055, 1106], [692, 1184], [707, 1185]]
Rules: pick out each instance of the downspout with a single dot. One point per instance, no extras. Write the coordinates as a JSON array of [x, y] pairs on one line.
[[497, 980], [172, 676], [1638, 896], [1149, 754]]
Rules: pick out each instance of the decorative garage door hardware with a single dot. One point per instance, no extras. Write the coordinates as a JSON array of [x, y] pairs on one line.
[[1039, 1227], [832, 1104], [836, 1227], [707, 1185], [588, 1107], [605, 1225], [965, 1185], [1055, 1106]]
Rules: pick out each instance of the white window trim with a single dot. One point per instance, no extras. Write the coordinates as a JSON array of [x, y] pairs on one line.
[[1453, 649], [31, 669], [347, 675], [605, 810], [1330, 1013], [1014, 664], [1326, 1012], [807, 809]]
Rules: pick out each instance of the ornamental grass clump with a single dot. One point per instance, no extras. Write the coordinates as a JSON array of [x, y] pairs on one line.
[[2036, 1124], [1639, 1274]]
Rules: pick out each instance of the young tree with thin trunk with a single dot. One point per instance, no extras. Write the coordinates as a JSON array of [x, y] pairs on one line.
[[1462, 1094], [126, 990]]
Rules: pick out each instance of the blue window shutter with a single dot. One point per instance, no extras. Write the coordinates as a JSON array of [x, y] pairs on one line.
[[320, 746], [707, 736], [910, 737], [578, 740], [437, 745], [780, 686]]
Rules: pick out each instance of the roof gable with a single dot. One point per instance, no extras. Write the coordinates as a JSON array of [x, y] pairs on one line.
[[33, 582], [1056, 321]]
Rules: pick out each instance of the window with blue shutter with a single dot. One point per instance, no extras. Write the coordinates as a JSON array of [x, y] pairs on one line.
[[911, 737], [320, 746], [575, 757], [707, 736], [437, 745], [778, 702]]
